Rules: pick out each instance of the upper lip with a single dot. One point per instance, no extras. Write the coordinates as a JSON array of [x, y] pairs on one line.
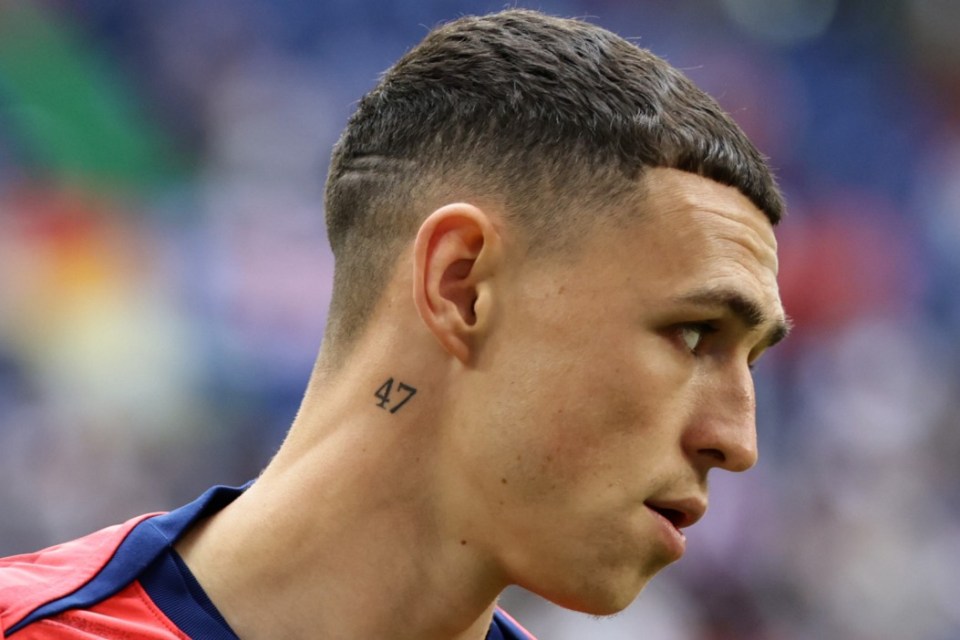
[[682, 512]]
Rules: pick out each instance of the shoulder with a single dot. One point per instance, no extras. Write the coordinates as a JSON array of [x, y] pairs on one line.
[[30, 580], [96, 574], [129, 613]]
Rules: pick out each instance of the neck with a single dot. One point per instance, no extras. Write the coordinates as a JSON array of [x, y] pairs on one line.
[[348, 533]]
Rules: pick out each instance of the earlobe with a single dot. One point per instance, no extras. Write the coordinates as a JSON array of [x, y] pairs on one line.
[[455, 255]]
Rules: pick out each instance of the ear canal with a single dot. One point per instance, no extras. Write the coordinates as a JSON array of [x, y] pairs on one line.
[[470, 311], [458, 289]]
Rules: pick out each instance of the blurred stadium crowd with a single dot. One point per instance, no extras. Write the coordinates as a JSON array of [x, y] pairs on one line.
[[164, 277]]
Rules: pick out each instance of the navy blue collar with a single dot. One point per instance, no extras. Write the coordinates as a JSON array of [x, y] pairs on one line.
[[174, 589]]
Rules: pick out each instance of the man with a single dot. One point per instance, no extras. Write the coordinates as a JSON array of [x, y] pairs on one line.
[[555, 265]]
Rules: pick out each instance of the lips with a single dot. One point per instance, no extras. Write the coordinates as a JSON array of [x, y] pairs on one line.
[[672, 516], [680, 513]]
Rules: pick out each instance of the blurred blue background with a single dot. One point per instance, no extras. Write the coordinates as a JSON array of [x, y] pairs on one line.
[[164, 277]]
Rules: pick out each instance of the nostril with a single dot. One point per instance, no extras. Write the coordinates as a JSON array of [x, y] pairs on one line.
[[716, 454]]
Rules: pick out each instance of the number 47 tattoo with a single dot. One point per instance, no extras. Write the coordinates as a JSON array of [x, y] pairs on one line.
[[383, 393]]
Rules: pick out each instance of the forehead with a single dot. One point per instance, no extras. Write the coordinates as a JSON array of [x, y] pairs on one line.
[[678, 233], [687, 207]]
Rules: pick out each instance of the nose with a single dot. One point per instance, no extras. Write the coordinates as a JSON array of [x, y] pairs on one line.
[[723, 432]]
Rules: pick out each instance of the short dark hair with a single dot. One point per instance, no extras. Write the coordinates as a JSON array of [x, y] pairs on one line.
[[536, 111]]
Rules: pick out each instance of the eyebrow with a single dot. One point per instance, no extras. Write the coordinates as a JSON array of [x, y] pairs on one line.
[[746, 309]]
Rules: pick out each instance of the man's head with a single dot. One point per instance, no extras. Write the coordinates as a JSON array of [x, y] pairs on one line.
[[568, 250], [552, 120]]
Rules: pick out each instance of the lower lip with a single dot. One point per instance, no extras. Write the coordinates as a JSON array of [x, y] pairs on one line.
[[673, 538]]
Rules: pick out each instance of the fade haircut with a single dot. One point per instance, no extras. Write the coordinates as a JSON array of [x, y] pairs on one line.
[[537, 113]]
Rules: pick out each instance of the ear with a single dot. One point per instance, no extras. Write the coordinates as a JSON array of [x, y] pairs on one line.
[[457, 251]]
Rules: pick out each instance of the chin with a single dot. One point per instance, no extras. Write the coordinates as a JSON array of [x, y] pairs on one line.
[[601, 582], [600, 597]]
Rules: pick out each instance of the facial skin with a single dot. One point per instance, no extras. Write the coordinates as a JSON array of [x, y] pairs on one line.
[[610, 382]]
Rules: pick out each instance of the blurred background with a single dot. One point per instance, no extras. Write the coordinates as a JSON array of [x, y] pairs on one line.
[[164, 276]]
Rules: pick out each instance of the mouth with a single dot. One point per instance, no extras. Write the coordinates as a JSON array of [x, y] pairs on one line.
[[680, 513], [675, 517]]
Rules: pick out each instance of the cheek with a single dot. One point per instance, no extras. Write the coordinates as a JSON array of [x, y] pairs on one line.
[[625, 417], [587, 423], [582, 402]]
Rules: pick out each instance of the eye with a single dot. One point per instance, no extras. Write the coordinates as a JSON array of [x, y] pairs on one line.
[[691, 337], [693, 334]]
